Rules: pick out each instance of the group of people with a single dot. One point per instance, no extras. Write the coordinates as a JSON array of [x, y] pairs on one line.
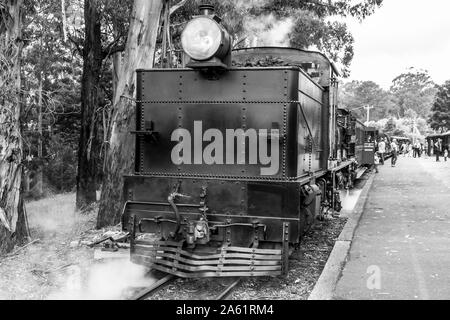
[[407, 149], [380, 152], [413, 149]]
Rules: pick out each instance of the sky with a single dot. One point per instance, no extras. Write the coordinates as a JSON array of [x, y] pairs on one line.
[[399, 35]]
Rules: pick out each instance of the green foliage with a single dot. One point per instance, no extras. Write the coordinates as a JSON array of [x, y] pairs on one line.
[[53, 55], [409, 100], [50, 61], [331, 38], [440, 112], [390, 126], [395, 127], [398, 132], [414, 90], [357, 94], [415, 128], [61, 169], [358, 9], [313, 29]]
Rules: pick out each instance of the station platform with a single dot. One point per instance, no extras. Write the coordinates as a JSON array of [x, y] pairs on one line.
[[401, 247]]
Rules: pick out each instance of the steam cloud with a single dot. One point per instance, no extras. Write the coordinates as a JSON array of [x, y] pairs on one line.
[[55, 222], [108, 280], [267, 30]]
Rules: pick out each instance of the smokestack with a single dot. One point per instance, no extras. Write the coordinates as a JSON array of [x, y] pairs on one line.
[[206, 9]]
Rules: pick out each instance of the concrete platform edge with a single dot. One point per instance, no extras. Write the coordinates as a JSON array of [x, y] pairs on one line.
[[325, 286]]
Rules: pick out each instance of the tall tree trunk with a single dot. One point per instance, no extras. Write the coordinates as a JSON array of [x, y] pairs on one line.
[[139, 53], [116, 67], [90, 142], [40, 175], [12, 213]]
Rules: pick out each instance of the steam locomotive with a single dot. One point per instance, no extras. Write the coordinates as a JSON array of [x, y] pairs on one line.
[[234, 161]]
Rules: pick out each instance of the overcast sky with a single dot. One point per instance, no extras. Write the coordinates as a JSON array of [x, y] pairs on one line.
[[399, 35]]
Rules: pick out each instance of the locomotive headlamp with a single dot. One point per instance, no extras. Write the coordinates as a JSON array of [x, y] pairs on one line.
[[206, 42], [201, 39]]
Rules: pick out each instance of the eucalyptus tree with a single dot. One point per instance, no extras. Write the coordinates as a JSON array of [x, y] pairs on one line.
[[440, 112], [13, 228], [414, 90], [139, 53], [355, 95], [105, 28]]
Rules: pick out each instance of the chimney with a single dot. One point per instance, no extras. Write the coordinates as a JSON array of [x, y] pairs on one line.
[[206, 9]]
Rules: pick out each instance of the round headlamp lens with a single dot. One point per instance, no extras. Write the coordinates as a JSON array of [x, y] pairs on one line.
[[201, 38]]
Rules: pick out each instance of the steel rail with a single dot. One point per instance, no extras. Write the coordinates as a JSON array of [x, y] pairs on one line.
[[228, 290], [154, 287]]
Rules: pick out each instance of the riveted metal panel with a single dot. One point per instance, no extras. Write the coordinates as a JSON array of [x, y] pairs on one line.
[[239, 99], [311, 145]]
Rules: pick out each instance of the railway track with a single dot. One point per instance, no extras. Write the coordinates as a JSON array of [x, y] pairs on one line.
[[158, 285], [167, 279], [227, 291], [219, 289]]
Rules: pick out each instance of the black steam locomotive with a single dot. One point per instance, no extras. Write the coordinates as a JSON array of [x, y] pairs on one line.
[[234, 162]]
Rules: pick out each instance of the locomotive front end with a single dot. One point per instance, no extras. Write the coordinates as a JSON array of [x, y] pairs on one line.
[[214, 163], [229, 162], [210, 195]]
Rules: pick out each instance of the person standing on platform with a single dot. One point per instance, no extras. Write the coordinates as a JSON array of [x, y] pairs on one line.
[[376, 161], [446, 154], [394, 152], [381, 150], [410, 150], [437, 149]]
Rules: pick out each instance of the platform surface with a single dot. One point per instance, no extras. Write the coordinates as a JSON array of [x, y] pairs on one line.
[[401, 247]]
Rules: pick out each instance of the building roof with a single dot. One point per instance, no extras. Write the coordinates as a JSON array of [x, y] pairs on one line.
[[437, 135]]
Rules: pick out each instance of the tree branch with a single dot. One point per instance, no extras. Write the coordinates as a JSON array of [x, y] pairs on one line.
[[112, 50], [177, 6], [113, 47], [79, 49]]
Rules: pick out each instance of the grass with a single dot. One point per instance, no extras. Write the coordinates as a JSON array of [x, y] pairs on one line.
[[57, 215], [56, 224]]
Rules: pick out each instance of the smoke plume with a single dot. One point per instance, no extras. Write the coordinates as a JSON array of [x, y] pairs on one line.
[[267, 30], [111, 280]]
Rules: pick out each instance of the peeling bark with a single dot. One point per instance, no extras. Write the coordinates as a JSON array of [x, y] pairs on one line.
[[139, 53], [12, 213]]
